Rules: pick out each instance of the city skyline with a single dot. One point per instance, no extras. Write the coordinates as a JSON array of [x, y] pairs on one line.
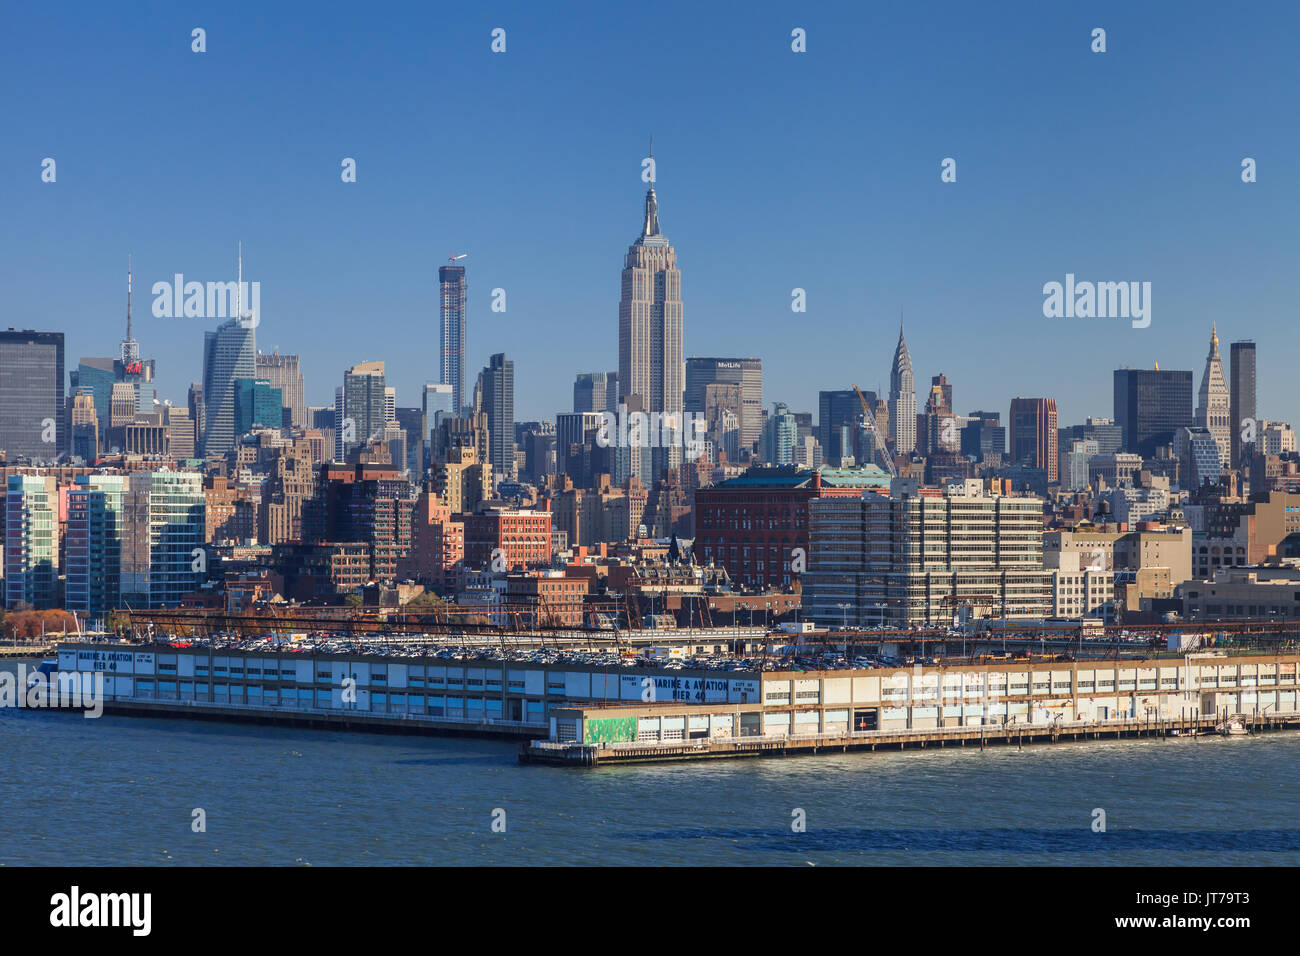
[[972, 299]]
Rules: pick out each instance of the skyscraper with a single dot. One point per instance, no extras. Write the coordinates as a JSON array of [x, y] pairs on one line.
[[650, 328], [1212, 408], [498, 391], [745, 372], [362, 404], [229, 354], [838, 415], [1150, 406], [902, 399], [31, 395], [1241, 396], [590, 392], [284, 372], [451, 304], [435, 405], [1033, 434]]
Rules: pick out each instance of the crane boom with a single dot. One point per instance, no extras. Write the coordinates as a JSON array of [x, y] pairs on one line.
[[884, 458]]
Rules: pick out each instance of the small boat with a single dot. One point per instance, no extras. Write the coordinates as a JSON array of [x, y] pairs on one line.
[[1234, 726], [43, 671]]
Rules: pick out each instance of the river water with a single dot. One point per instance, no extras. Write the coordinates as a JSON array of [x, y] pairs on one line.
[[124, 790]]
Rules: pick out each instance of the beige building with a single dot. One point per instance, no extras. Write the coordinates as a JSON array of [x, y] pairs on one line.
[[463, 480], [1243, 594]]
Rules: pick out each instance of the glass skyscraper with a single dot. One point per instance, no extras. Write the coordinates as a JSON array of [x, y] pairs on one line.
[[229, 354]]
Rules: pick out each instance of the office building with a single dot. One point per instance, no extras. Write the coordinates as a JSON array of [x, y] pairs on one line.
[[651, 322], [229, 354], [925, 557], [902, 399], [257, 405], [591, 392], [839, 417], [362, 408], [32, 420], [497, 382], [1241, 396], [983, 438], [1034, 434], [1213, 411], [283, 372], [746, 374], [1150, 406]]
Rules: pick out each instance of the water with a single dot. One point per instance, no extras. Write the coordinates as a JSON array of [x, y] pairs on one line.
[[122, 790]]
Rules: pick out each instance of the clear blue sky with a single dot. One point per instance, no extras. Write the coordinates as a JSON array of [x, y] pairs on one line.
[[817, 170]]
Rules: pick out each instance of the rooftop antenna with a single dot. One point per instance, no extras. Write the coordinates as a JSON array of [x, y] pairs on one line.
[[128, 296], [239, 282]]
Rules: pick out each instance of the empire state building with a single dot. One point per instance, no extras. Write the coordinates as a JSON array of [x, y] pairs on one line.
[[651, 365]]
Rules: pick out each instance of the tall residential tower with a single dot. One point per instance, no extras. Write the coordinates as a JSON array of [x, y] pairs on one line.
[[451, 312]]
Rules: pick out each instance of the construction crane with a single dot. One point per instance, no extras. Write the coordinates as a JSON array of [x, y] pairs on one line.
[[455, 258], [885, 459]]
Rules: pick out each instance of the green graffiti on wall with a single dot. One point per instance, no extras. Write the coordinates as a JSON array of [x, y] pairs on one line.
[[609, 730]]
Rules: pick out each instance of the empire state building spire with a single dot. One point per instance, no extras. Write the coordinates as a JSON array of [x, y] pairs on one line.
[[650, 225], [130, 347]]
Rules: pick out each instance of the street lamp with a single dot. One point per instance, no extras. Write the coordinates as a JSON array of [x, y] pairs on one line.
[[844, 615]]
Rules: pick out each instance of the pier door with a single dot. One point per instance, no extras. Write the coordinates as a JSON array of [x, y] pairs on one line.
[[516, 709], [866, 719]]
